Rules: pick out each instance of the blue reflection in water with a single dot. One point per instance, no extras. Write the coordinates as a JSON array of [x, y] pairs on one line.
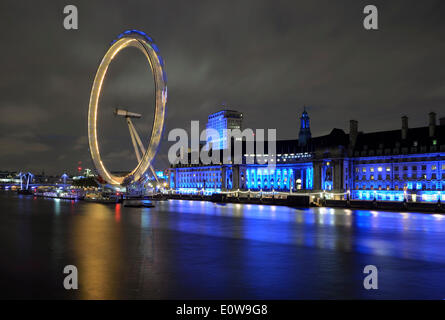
[[57, 206], [191, 249], [405, 235], [145, 218]]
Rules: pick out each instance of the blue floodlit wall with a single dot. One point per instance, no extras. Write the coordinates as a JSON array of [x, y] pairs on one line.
[[218, 122], [208, 179], [310, 177], [419, 177], [213, 179], [327, 176], [388, 195], [221, 121], [282, 178]]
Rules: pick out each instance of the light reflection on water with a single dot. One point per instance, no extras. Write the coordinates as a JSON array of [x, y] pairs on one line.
[[100, 262], [371, 232], [196, 249]]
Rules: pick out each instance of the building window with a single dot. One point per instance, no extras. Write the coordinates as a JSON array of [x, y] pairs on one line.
[[424, 167], [433, 167], [379, 169], [372, 169], [388, 169], [364, 169]]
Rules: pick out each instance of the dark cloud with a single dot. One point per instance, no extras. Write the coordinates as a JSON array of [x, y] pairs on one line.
[[265, 58]]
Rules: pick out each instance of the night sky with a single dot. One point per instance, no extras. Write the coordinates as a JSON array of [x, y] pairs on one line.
[[264, 58]]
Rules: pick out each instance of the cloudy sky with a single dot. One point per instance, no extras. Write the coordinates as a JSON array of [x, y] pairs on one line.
[[264, 58]]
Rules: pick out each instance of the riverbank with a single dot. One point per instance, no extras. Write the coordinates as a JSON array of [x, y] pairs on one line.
[[303, 201], [293, 201]]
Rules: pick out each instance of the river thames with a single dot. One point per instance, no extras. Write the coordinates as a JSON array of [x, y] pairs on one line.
[[201, 250]]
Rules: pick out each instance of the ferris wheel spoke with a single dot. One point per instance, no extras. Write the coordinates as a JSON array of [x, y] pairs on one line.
[[134, 134], [133, 140]]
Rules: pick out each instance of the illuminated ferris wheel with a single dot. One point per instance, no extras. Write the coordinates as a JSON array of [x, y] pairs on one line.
[[141, 41]]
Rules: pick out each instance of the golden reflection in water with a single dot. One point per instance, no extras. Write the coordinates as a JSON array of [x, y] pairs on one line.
[[238, 211], [98, 251]]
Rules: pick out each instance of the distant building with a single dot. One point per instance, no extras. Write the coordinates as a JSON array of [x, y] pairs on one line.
[[9, 177], [304, 137], [220, 121], [408, 163]]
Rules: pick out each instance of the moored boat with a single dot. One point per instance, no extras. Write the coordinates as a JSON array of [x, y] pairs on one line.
[[138, 203]]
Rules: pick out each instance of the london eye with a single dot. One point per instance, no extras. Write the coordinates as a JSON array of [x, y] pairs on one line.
[[145, 156]]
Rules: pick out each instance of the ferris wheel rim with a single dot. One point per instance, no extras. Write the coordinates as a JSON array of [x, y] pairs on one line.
[[141, 41]]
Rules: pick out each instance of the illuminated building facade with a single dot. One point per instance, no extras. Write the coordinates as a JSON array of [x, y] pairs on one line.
[[220, 121], [390, 165], [398, 164]]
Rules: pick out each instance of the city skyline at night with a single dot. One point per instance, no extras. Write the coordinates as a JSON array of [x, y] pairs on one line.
[[222, 159], [395, 165], [266, 57]]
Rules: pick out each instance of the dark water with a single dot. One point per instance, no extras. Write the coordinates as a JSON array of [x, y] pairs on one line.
[[188, 250]]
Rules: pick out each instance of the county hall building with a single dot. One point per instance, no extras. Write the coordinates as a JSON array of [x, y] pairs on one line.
[[406, 163]]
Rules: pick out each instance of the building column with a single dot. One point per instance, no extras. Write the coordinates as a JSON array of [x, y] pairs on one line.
[[303, 178], [236, 177], [338, 183], [317, 175]]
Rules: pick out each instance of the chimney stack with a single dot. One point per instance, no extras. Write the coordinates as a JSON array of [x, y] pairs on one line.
[[353, 132], [404, 127], [432, 124]]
